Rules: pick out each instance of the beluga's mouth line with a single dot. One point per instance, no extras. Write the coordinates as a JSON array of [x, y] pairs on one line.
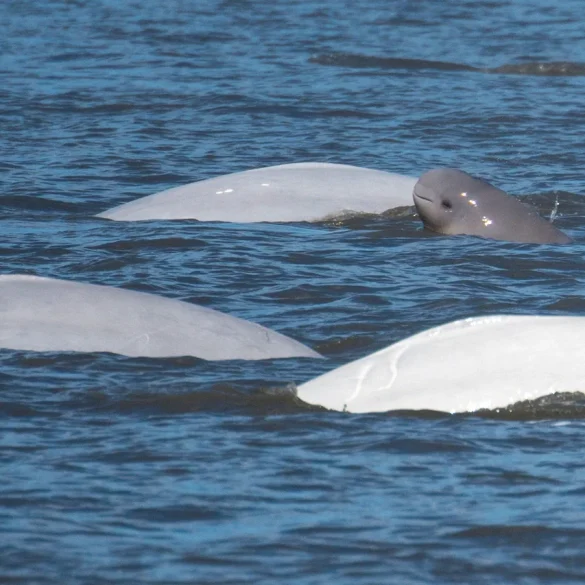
[[421, 197]]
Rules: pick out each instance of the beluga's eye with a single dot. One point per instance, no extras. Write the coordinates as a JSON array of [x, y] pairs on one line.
[[446, 205]]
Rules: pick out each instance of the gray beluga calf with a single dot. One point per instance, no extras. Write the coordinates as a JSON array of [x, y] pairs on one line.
[[48, 314], [307, 191], [450, 201], [462, 366]]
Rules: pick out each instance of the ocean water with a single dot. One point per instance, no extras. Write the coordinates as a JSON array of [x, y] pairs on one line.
[[125, 470]]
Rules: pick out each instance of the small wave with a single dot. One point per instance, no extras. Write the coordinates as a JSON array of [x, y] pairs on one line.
[[36, 203], [354, 60], [365, 61], [559, 69], [169, 243], [240, 398], [513, 533], [560, 405]]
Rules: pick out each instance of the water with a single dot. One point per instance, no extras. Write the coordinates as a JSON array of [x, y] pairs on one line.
[[124, 470]]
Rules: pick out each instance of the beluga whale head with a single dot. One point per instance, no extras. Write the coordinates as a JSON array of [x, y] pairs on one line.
[[450, 201]]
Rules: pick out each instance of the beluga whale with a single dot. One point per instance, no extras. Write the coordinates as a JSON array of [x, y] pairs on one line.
[[463, 366], [49, 314], [308, 191], [450, 201]]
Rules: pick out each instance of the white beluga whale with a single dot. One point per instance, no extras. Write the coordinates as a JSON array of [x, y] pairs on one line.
[[307, 191], [47, 314], [463, 366]]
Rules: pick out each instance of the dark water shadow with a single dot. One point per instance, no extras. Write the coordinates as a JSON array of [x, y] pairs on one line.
[[358, 61]]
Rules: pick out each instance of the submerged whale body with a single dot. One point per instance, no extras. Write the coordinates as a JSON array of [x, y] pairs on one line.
[[293, 192], [480, 362], [47, 314], [450, 201]]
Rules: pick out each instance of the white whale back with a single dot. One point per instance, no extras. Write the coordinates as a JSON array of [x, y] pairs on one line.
[[480, 362], [46, 314], [293, 192]]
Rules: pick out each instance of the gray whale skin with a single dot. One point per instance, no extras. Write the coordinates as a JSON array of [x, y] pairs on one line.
[[450, 201]]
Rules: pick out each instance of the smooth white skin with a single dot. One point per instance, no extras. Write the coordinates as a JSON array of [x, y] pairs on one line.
[[295, 192], [46, 314], [480, 362]]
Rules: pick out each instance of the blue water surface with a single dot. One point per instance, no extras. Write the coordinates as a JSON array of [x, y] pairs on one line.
[[128, 470]]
